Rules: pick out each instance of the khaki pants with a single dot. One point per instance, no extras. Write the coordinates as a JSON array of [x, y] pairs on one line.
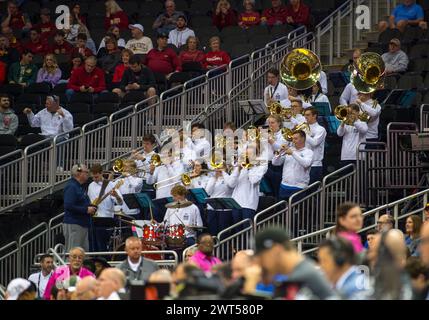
[[75, 236]]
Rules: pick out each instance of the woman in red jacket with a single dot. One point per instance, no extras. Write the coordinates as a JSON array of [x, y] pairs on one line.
[[120, 69], [115, 16], [191, 53], [224, 15], [215, 57]]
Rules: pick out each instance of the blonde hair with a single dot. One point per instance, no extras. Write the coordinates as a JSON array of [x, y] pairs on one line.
[[50, 70], [221, 2], [213, 39], [114, 6]]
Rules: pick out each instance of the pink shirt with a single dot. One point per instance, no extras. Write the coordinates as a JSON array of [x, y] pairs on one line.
[[62, 273], [203, 261], [354, 239]]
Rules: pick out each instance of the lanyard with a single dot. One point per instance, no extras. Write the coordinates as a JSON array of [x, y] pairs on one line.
[[275, 89]]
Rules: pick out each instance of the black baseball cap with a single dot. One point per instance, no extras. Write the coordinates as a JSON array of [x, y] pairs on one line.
[[268, 238], [162, 35]]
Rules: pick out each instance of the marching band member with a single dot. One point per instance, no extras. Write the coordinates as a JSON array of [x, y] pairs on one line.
[[296, 162], [373, 109], [275, 91], [143, 159], [349, 95], [318, 96], [315, 140], [187, 154], [352, 135], [98, 189], [131, 184], [187, 216], [296, 118], [198, 143], [198, 176]]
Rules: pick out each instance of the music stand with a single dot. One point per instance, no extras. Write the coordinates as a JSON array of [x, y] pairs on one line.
[[323, 108], [223, 203], [131, 201], [254, 108], [198, 195], [160, 203]]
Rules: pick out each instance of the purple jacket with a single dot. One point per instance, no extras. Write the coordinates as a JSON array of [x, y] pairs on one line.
[[44, 76]]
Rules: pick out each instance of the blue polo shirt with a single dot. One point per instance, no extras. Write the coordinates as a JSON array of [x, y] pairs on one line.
[[412, 12], [76, 202]]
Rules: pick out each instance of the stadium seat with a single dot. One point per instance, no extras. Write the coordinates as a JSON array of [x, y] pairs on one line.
[[260, 41], [80, 119], [42, 88], [132, 97], [281, 31], [410, 81], [420, 50], [30, 139], [387, 35], [201, 7], [82, 97], [79, 107], [11, 89], [152, 8], [108, 97], [257, 31], [33, 100], [241, 50], [104, 109]]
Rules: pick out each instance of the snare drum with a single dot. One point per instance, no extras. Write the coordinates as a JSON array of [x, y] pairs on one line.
[[175, 236]]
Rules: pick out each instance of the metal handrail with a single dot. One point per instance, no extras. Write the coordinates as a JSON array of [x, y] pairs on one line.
[[423, 124]]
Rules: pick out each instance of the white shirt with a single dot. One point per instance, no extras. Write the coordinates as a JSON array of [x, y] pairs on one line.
[[141, 46], [40, 281], [134, 266], [201, 147], [279, 140], [121, 43], [164, 172], [315, 141], [51, 124], [189, 216], [296, 167], [106, 207], [352, 136], [277, 93], [187, 155], [221, 187], [246, 189], [294, 121], [131, 185], [321, 98], [113, 296], [323, 82], [199, 182], [349, 95], [374, 113], [179, 37], [144, 165]]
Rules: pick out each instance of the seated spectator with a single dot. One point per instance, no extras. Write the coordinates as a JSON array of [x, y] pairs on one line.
[[139, 44], [75, 12], [46, 26], [3, 72], [297, 14], [121, 67], [88, 78], [49, 72], [13, 42], [115, 16], [216, 57], [191, 55], [81, 47], [404, 14], [318, 96], [203, 257], [395, 59], [60, 45], [15, 19], [8, 119], [275, 15], [111, 58], [166, 21], [111, 282], [137, 77], [162, 59], [23, 72], [224, 15], [8, 55], [76, 62], [76, 27], [36, 44], [250, 17], [412, 229], [179, 35], [113, 30], [90, 44], [52, 120]]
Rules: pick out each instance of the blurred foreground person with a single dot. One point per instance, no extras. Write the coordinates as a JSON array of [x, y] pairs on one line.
[[21, 289], [110, 283]]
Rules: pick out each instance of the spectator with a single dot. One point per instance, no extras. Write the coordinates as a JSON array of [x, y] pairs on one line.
[[20, 289], [159, 277], [278, 256], [413, 226], [139, 44], [100, 265], [110, 283], [81, 47], [115, 16], [76, 63], [216, 57], [241, 260], [53, 120], [8, 119], [275, 15], [349, 222], [111, 58], [46, 26], [23, 72], [15, 19], [179, 36], [250, 17], [113, 30], [318, 96], [3, 72], [297, 14], [86, 289], [191, 251], [166, 21], [88, 78], [76, 26], [36, 44], [75, 12], [8, 55], [338, 262], [204, 258], [385, 223], [395, 59], [407, 13], [75, 268], [49, 72], [224, 15], [137, 77], [60, 45], [162, 59], [419, 274], [370, 238], [136, 267], [191, 58], [121, 67], [41, 278]]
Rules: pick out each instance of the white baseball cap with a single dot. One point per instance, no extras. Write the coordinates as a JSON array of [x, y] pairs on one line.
[[16, 287], [136, 26]]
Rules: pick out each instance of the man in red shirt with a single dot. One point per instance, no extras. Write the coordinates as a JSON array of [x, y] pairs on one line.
[[297, 13], [15, 19], [275, 15], [36, 44], [61, 46], [46, 26], [163, 59], [81, 47], [88, 78]]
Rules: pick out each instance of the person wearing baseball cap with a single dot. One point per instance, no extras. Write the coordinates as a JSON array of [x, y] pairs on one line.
[[21, 289], [395, 59], [139, 44], [179, 35], [277, 255], [163, 59]]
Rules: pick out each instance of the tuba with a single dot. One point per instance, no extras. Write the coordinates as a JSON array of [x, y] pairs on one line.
[[300, 69], [275, 108], [368, 74]]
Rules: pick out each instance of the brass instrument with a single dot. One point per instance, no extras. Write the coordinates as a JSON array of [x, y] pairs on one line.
[[216, 165], [118, 166], [288, 133], [253, 133], [275, 108], [287, 113], [342, 114], [220, 141], [300, 69], [368, 75]]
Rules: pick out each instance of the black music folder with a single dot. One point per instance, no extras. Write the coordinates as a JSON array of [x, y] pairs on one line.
[[131, 200], [223, 203], [160, 203]]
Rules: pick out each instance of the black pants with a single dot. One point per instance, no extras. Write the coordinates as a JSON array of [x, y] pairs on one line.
[[273, 177]]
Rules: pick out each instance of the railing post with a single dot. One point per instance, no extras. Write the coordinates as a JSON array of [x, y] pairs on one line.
[[351, 24], [339, 34], [331, 40], [395, 215], [134, 129]]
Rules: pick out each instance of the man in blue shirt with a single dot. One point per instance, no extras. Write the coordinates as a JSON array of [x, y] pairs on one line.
[[77, 209], [407, 13]]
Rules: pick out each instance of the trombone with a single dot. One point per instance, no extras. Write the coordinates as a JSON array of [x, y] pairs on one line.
[[185, 179]]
